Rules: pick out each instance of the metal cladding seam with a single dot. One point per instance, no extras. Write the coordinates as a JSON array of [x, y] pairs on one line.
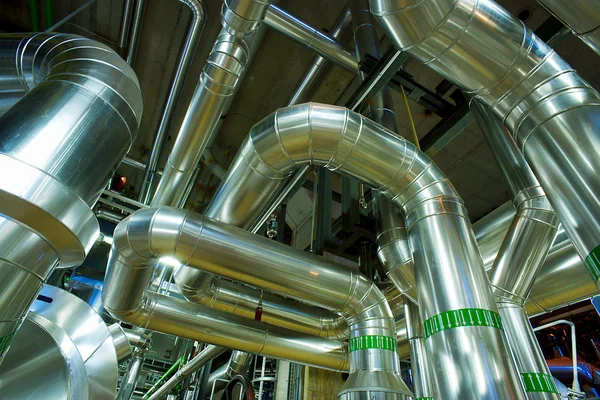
[[549, 109]]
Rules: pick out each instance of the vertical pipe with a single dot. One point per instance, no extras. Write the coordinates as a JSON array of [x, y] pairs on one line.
[[419, 363], [48, 13], [521, 255], [129, 381], [34, 14], [125, 23], [136, 31]]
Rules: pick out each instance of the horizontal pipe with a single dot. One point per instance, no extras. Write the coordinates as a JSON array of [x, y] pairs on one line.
[[310, 37]]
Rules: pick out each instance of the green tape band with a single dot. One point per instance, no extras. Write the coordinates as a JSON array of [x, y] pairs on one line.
[[460, 318], [5, 342], [535, 382], [424, 398], [592, 262], [372, 342]]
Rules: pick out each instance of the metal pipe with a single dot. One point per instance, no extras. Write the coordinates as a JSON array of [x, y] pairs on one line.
[[419, 363], [582, 17], [576, 386], [221, 75], [353, 145], [548, 108], [522, 253], [180, 361], [129, 382], [125, 23], [136, 31], [75, 95], [184, 64], [310, 37], [188, 237], [210, 352]]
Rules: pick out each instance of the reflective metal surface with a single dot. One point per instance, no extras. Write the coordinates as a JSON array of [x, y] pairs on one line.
[[129, 382], [71, 108], [548, 108], [422, 380], [581, 16], [186, 58], [65, 347], [193, 365], [120, 341], [310, 37], [448, 266], [522, 252]]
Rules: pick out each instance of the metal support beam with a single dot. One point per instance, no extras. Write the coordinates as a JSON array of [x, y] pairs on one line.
[[324, 235], [446, 130]]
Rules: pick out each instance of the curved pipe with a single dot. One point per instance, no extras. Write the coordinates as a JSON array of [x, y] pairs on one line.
[[522, 253], [184, 63], [221, 249], [549, 109], [581, 16], [350, 144]]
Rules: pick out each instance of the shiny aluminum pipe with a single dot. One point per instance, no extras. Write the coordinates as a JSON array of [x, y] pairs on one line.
[[438, 227], [71, 109], [166, 232], [522, 253], [184, 64], [233, 253], [548, 108], [210, 352], [419, 363], [129, 382], [136, 31], [310, 37], [238, 364], [581, 16]]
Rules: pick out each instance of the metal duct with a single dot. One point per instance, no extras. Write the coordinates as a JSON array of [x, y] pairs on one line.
[[186, 58], [521, 255], [316, 67], [310, 37], [419, 363], [210, 352], [220, 77], [221, 249], [438, 228], [238, 364], [562, 280], [581, 16], [75, 108], [547, 107], [168, 232]]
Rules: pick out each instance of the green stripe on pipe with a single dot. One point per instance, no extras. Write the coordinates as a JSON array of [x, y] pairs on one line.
[[592, 262], [5, 341], [460, 318], [536, 382], [424, 398], [372, 342]]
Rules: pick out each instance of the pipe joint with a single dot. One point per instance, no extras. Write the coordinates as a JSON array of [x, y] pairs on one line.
[[242, 17]]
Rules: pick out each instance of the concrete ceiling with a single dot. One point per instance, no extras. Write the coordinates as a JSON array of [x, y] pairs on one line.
[[277, 67]]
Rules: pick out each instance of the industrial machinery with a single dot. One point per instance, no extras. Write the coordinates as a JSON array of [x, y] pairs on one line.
[[178, 220]]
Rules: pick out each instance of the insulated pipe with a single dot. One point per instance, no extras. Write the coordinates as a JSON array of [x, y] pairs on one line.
[[129, 382], [522, 253], [550, 111], [220, 77], [419, 363], [136, 31], [126, 295], [186, 58], [221, 249], [581, 16], [238, 364], [210, 352], [438, 228], [71, 110], [310, 37]]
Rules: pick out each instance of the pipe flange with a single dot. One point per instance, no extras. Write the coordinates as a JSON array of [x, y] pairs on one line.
[[38, 201]]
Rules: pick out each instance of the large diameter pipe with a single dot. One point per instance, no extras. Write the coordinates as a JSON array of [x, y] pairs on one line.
[[548, 108], [186, 58], [221, 249], [581, 16], [209, 353], [522, 253], [62, 135], [438, 227], [310, 37]]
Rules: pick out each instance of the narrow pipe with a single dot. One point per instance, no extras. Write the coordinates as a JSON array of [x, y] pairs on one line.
[[522, 253], [48, 13], [419, 363], [34, 15], [136, 31], [176, 365], [72, 92], [198, 241], [186, 58], [310, 37], [128, 383], [576, 385], [582, 17], [455, 281], [548, 108], [125, 23], [210, 352]]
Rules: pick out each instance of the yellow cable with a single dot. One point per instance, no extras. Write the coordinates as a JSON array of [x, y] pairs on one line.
[[410, 119]]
